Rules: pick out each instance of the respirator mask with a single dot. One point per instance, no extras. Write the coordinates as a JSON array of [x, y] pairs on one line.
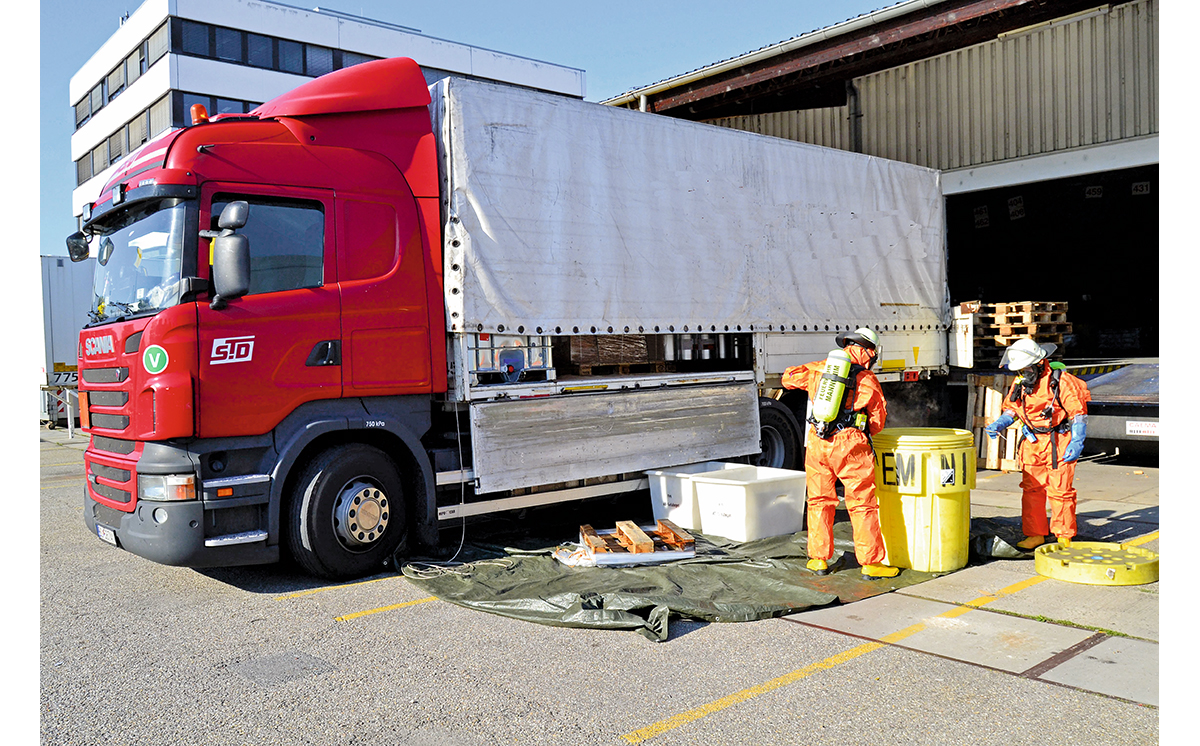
[[1030, 376]]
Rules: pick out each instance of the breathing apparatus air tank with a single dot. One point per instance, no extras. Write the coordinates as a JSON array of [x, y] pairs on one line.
[[828, 401]]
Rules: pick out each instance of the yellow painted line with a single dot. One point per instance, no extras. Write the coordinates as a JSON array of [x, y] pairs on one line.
[[311, 591], [696, 713], [684, 718], [368, 612], [1152, 536]]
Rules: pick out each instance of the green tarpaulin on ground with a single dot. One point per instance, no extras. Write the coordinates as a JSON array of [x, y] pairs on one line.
[[724, 582]]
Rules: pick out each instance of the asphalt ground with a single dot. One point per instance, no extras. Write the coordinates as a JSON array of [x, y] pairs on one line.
[[134, 652]]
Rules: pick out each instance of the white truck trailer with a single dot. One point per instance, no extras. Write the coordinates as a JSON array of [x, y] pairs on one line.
[[736, 255], [66, 297]]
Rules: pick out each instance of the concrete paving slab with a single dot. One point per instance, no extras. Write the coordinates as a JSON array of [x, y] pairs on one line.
[[999, 641], [1128, 610], [1094, 481], [996, 499], [1117, 511], [1117, 667]]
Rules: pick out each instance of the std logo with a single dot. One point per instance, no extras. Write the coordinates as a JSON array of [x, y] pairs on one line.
[[232, 350]]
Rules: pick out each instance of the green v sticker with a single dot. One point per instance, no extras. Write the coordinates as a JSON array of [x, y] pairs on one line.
[[155, 359]]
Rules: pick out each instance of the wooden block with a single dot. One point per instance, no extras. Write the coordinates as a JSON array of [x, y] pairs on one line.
[[593, 541], [633, 538]]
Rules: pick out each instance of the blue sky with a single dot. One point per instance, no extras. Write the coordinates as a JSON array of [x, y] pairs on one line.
[[620, 45]]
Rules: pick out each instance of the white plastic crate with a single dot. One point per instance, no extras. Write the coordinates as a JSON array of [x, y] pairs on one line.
[[750, 502], [672, 495]]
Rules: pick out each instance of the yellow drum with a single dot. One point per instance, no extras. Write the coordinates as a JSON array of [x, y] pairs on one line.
[[923, 480]]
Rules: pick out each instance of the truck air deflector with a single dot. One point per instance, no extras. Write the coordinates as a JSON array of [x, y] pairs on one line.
[[522, 443], [395, 83]]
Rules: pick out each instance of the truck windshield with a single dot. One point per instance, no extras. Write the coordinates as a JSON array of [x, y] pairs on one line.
[[139, 253]]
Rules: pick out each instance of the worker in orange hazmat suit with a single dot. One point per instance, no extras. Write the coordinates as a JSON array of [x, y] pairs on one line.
[[1051, 405], [842, 450]]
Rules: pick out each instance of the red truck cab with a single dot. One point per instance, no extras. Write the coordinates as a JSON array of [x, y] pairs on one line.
[[290, 414]]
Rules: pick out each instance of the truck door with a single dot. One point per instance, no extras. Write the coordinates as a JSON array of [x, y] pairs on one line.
[[279, 346], [385, 310]]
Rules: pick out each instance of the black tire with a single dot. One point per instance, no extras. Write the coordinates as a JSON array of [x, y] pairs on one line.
[[779, 436], [323, 531]]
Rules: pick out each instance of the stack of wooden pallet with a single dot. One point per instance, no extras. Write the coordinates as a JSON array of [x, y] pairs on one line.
[[998, 325], [610, 354], [629, 544], [985, 400]]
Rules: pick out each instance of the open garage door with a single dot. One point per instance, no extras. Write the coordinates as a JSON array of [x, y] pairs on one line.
[[1090, 240]]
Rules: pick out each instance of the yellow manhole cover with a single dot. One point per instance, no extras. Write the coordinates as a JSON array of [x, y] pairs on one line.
[[1096, 563]]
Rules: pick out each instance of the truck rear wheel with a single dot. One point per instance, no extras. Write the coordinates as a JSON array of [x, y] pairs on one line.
[[779, 436], [346, 513]]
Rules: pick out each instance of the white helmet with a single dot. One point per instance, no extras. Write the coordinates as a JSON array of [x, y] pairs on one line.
[[861, 336], [1025, 352]]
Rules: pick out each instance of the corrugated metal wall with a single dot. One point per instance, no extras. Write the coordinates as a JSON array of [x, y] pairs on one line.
[[1087, 79]]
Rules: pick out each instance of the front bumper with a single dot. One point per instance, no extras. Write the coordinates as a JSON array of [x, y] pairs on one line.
[[178, 540]]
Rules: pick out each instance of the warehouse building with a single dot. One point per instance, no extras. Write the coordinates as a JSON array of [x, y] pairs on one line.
[[231, 56], [1041, 114]]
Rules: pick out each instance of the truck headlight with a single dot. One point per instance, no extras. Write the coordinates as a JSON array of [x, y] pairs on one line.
[[160, 487]]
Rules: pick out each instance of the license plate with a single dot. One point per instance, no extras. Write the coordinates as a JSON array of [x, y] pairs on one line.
[[106, 534]]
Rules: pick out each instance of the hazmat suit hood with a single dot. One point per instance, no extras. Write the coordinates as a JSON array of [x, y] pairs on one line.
[[860, 355]]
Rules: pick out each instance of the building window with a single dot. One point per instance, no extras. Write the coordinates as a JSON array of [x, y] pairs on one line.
[[194, 38], [83, 169], [96, 98], [229, 45], [212, 104], [160, 115], [100, 158], [260, 50], [291, 56], [350, 59], [138, 130], [156, 45], [116, 146], [230, 106], [116, 81], [318, 60], [83, 111], [133, 66]]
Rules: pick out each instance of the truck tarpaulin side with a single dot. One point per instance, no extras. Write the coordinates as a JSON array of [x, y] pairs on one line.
[[561, 214]]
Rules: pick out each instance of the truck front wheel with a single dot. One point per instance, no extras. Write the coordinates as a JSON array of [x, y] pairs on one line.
[[346, 512]]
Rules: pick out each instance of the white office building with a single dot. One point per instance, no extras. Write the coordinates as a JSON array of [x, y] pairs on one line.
[[232, 55]]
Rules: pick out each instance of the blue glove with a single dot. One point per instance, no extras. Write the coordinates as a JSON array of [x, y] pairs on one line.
[[1000, 423], [1078, 435]]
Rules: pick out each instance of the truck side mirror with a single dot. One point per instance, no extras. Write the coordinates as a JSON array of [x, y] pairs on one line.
[[231, 256], [234, 215], [231, 268], [77, 246]]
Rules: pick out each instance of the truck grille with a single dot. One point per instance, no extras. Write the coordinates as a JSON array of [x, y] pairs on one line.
[[112, 493], [112, 445], [108, 398], [105, 375], [106, 515], [109, 421], [111, 472]]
